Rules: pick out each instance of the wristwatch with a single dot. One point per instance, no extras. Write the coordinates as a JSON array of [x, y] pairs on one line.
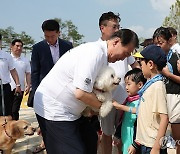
[[18, 85]]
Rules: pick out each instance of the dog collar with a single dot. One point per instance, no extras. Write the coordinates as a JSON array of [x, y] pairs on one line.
[[100, 90], [4, 125]]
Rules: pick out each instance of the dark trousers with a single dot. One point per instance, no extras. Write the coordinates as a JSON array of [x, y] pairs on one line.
[[16, 103], [68, 137], [94, 122], [147, 150], [88, 130], [7, 100]]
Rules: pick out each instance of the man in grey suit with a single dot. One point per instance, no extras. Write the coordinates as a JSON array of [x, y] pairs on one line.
[[44, 55]]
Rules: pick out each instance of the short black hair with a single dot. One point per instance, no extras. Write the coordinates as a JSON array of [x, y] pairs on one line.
[[108, 16], [50, 25], [162, 32], [172, 31], [159, 67], [147, 42], [126, 36], [0, 37], [136, 75], [16, 40]]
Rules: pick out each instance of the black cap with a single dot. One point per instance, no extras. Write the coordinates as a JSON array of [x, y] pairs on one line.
[[156, 54]]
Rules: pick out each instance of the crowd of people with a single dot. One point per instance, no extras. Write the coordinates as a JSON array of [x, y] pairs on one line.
[[60, 81]]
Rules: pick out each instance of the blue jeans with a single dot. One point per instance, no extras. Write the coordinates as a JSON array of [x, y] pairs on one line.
[[147, 150]]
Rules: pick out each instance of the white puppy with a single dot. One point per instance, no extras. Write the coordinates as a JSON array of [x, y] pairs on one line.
[[105, 82]]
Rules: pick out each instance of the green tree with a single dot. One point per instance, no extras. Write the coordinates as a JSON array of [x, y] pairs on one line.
[[173, 20], [27, 41], [70, 32], [9, 34]]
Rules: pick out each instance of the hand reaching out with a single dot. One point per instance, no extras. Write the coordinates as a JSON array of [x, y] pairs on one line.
[[131, 150]]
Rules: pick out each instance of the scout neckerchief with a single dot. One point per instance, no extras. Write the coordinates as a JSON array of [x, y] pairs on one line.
[[158, 77], [128, 99]]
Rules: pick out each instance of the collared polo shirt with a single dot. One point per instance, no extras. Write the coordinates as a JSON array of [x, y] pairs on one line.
[[22, 66], [77, 68], [121, 68], [6, 64]]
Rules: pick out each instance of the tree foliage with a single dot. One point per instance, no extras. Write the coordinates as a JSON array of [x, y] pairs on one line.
[[173, 20], [70, 32], [9, 35]]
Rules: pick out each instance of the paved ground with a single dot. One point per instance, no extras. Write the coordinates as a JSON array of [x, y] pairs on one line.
[[27, 144]]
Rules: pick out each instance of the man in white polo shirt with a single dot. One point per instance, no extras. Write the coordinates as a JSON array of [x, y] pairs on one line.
[[109, 24], [23, 69], [67, 89], [7, 67]]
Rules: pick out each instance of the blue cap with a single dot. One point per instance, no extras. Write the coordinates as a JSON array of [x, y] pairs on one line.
[[156, 54]]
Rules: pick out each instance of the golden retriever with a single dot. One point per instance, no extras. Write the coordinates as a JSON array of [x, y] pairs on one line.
[[11, 130]]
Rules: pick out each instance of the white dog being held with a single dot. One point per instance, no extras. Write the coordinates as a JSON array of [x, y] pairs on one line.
[[105, 82]]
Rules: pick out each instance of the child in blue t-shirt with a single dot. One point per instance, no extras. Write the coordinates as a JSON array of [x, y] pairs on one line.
[[126, 129]]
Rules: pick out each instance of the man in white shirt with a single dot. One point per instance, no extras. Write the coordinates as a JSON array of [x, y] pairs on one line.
[[7, 68], [109, 24], [23, 69], [67, 89], [44, 56]]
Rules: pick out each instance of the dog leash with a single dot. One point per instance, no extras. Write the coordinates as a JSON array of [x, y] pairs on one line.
[[4, 125], [2, 96]]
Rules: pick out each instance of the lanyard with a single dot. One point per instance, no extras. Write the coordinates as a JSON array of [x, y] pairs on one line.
[[168, 58]]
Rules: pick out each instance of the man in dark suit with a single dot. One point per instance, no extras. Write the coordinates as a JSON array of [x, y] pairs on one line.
[[45, 54]]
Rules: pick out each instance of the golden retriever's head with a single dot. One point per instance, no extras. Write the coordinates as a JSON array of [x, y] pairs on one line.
[[18, 129]]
